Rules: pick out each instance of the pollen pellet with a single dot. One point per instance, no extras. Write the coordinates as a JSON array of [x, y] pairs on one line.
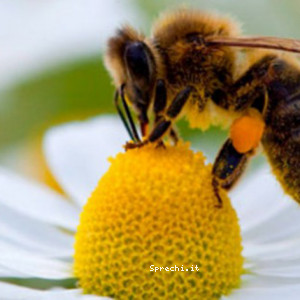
[[246, 131], [155, 209]]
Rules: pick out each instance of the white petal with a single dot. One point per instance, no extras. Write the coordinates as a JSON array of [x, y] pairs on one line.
[[36, 201], [265, 281], [284, 250], [69, 295], [287, 269], [275, 293], [77, 153], [18, 261], [27, 233], [276, 259], [7, 273], [282, 224], [15, 292], [263, 287], [265, 212]]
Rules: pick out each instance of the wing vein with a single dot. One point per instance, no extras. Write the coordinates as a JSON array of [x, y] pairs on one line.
[[266, 42]]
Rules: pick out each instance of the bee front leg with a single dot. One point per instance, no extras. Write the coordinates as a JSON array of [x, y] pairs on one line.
[[160, 103], [164, 122], [143, 120], [160, 100]]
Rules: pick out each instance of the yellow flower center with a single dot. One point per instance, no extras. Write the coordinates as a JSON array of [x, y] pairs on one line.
[[156, 208]]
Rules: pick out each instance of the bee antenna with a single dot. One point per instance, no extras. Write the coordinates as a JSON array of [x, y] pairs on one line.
[[131, 128], [124, 121]]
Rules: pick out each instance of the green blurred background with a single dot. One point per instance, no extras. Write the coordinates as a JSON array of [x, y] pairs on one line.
[[51, 68]]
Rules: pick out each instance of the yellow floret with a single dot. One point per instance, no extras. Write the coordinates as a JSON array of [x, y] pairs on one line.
[[156, 207]]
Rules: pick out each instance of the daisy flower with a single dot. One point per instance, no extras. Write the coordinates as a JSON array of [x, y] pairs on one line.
[[38, 225]]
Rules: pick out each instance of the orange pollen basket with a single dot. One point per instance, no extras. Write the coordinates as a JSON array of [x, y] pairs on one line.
[[246, 132]]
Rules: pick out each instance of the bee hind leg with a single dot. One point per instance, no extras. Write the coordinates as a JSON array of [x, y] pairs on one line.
[[228, 168]]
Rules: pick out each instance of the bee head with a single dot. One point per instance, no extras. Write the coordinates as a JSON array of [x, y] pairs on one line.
[[131, 60]]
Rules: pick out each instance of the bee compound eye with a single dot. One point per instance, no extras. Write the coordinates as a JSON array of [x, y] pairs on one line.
[[137, 58]]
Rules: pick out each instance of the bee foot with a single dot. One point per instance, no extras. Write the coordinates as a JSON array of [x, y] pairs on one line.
[[132, 145], [215, 185], [161, 144], [220, 204]]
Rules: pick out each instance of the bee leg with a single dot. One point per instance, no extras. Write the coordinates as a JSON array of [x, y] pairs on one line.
[[164, 123], [160, 103], [160, 100], [215, 185], [249, 90], [174, 135], [143, 119], [159, 130], [228, 167], [249, 95]]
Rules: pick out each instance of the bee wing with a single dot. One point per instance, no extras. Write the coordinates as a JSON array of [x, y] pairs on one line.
[[265, 42]]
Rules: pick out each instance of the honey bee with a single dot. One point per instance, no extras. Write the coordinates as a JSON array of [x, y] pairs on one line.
[[197, 65]]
